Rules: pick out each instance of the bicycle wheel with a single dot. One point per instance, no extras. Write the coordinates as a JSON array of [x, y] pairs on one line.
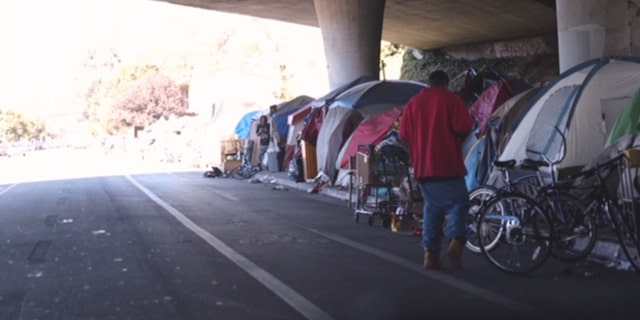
[[246, 173], [478, 198], [575, 229], [530, 184], [626, 227], [235, 172], [524, 233]]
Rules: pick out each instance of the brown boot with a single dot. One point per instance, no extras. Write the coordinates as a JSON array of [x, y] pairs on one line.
[[455, 253], [432, 260]]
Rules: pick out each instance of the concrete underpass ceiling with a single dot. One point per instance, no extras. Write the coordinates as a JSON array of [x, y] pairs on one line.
[[423, 24]]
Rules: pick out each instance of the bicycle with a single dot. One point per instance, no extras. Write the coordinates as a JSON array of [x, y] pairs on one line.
[[575, 232], [614, 208], [246, 170], [526, 237], [478, 197], [519, 230]]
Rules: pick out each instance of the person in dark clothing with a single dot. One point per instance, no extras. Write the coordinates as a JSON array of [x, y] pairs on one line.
[[434, 124], [263, 131]]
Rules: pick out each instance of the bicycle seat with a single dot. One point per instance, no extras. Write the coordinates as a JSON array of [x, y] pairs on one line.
[[509, 164], [534, 165]]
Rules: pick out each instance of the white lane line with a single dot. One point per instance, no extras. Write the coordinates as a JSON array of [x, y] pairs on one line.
[[290, 296], [8, 188], [443, 278]]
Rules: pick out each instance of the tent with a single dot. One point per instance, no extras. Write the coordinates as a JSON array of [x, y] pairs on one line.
[[479, 155], [353, 106], [509, 111], [628, 121], [488, 101], [327, 99], [296, 122], [280, 117], [583, 103], [492, 88], [243, 128], [472, 157], [370, 131], [316, 117]]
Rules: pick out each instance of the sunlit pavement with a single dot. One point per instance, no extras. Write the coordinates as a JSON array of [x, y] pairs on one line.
[[70, 163]]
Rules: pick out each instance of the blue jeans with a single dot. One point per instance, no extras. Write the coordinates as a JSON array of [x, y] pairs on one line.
[[444, 199]]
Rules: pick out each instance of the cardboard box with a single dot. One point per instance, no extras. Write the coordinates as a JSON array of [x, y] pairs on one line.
[[364, 168], [309, 160], [230, 164], [229, 146], [634, 157]]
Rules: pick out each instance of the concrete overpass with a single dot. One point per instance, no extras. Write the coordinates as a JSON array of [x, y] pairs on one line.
[[423, 24], [352, 29]]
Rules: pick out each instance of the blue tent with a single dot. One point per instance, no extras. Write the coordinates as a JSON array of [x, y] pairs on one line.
[[285, 109], [243, 128]]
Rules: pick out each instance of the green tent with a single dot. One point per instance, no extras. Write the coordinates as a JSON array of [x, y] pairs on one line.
[[628, 121]]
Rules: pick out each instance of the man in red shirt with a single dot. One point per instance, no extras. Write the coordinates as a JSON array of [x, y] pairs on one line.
[[434, 124]]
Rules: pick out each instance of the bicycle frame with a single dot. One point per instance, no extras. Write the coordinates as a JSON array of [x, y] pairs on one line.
[[619, 209]]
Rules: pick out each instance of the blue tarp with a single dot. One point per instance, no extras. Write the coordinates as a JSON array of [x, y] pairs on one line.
[[280, 122], [280, 117], [243, 128], [471, 161]]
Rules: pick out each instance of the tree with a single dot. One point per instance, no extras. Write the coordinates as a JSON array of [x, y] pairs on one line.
[[135, 95], [388, 51], [94, 82], [150, 97], [15, 126]]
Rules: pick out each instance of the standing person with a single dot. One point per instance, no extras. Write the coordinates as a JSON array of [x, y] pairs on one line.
[[434, 124], [263, 131]]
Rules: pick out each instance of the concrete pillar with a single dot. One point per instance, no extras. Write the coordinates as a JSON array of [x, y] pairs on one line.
[[352, 32], [589, 29]]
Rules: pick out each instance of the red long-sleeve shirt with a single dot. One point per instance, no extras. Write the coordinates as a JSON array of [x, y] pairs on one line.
[[434, 124]]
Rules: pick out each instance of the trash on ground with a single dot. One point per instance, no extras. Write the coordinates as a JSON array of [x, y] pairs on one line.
[[268, 179], [280, 187]]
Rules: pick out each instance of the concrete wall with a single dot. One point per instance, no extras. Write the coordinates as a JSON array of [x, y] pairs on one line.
[[590, 29], [523, 47]]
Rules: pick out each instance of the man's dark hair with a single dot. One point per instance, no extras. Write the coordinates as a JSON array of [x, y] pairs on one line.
[[439, 78]]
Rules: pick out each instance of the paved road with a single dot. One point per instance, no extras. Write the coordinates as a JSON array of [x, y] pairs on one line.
[[119, 244]]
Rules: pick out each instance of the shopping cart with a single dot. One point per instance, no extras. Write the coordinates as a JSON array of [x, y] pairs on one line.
[[384, 185]]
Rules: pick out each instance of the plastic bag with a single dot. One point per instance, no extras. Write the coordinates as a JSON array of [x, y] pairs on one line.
[[294, 171]]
